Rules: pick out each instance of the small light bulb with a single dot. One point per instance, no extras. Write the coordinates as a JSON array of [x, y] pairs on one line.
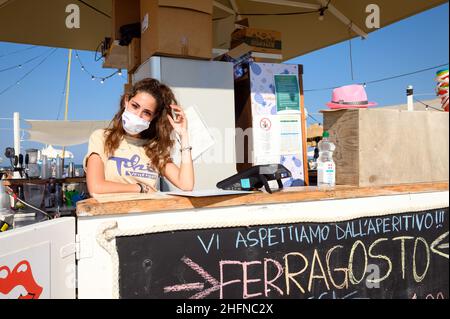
[[82, 68], [322, 14], [102, 81], [20, 66], [120, 72], [93, 78]]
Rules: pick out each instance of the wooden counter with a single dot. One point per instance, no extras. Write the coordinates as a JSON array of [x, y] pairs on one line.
[[39, 181], [91, 207]]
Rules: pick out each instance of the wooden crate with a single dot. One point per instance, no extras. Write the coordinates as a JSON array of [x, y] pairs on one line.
[[124, 12], [127, 88], [134, 55], [376, 147], [117, 57]]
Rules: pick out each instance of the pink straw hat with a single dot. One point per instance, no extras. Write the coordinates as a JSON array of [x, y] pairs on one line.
[[350, 97]]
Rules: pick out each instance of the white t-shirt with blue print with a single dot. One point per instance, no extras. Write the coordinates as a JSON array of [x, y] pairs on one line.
[[129, 164]]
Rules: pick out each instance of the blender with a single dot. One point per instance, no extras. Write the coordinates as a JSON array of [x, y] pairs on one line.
[[31, 164]]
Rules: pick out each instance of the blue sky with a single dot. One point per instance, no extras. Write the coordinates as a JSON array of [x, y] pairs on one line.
[[415, 43]]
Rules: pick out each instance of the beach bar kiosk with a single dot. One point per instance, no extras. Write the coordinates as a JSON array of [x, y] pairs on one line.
[[382, 232]]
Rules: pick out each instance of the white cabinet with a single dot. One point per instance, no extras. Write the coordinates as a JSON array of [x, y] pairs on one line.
[[38, 261]]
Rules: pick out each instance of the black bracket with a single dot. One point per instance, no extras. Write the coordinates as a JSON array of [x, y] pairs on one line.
[[267, 187]]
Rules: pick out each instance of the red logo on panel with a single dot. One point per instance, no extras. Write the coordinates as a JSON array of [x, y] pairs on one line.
[[22, 275]]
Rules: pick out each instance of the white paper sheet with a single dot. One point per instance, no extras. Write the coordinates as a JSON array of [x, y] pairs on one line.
[[291, 134], [266, 131], [199, 136]]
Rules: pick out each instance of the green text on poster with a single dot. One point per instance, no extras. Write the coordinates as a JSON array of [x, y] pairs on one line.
[[288, 93]]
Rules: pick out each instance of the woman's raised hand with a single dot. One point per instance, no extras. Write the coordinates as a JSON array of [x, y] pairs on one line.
[[179, 123]]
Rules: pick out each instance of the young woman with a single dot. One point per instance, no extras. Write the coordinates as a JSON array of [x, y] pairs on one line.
[[134, 151]]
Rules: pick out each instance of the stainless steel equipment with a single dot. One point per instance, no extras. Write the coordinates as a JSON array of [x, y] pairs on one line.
[[31, 165]]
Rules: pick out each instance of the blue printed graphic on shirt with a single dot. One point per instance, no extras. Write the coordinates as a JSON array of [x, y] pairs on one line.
[[132, 167]]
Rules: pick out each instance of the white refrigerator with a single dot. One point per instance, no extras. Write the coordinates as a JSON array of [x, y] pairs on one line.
[[207, 87]]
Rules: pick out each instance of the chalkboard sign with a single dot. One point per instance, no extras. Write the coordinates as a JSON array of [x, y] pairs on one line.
[[395, 256]]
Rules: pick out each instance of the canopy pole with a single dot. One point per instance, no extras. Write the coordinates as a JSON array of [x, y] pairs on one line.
[[16, 121], [223, 7], [68, 85], [235, 9], [69, 65], [290, 4], [340, 16]]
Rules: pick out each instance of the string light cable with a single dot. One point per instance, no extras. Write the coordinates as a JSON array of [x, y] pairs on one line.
[[94, 77], [407, 74], [18, 51], [20, 65], [384, 79], [28, 73], [95, 9], [314, 119], [428, 106], [100, 51], [97, 57]]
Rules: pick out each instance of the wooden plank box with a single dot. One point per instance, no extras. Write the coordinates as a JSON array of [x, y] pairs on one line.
[[176, 28], [376, 147], [117, 57]]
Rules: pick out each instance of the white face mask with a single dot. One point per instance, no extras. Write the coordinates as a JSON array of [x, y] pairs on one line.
[[133, 124]]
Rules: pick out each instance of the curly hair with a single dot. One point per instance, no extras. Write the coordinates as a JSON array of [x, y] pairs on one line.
[[160, 131]]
